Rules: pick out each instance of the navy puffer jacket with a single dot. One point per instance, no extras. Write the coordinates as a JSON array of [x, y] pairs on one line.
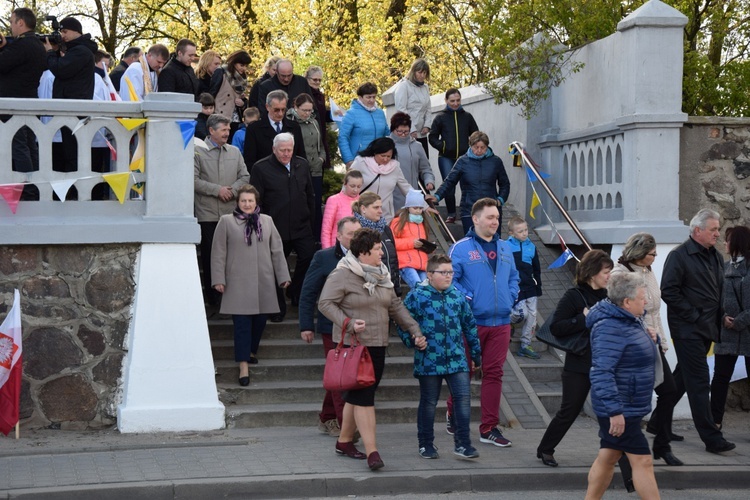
[[622, 362], [479, 178]]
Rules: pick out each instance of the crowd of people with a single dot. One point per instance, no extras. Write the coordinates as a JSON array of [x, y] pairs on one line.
[[261, 150]]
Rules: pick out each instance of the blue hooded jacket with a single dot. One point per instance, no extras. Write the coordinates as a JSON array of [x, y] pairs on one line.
[[622, 362], [491, 294], [359, 128], [445, 319]]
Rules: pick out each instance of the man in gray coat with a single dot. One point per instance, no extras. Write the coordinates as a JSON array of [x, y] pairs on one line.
[[219, 171]]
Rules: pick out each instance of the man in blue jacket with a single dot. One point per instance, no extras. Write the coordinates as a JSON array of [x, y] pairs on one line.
[[485, 271], [323, 263]]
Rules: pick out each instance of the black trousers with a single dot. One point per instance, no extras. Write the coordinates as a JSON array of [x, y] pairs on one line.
[[667, 397], [691, 376], [723, 369], [575, 388], [207, 238], [304, 248]]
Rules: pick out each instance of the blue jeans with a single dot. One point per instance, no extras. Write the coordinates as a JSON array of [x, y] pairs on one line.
[[445, 165], [248, 329], [429, 393], [412, 276]]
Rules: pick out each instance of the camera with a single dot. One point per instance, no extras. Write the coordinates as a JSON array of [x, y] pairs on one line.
[[54, 37]]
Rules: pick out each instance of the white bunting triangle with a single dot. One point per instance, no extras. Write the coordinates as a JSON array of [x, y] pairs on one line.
[[62, 187]]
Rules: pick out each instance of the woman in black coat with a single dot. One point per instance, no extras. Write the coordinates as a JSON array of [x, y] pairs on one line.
[[569, 318], [735, 329]]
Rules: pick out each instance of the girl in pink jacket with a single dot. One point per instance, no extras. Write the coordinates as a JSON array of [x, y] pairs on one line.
[[339, 206]]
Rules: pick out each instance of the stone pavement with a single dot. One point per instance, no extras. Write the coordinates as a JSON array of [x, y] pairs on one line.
[[298, 462]]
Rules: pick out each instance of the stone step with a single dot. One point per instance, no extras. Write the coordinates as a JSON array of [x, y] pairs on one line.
[[311, 391], [293, 349], [292, 370], [545, 369], [550, 394], [306, 414]]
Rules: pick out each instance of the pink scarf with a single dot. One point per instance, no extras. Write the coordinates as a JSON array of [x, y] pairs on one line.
[[380, 169]]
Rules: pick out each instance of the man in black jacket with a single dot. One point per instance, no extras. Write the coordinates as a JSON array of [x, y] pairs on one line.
[[259, 135], [285, 80], [286, 194], [131, 55], [21, 65], [323, 263], [691, 286], [178, 75], [74, 78]]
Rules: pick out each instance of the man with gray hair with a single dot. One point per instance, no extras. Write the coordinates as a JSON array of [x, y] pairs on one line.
[[285, 80], [286, 194], [691, 286], [218, 173], [260, 134]]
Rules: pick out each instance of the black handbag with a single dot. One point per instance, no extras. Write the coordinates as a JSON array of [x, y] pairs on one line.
[[574, 344]]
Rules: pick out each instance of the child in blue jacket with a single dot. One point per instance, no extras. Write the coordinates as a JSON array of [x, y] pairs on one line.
[[445, 317], [530, 273]]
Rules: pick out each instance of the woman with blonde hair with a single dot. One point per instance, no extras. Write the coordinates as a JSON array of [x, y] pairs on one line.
[[412, 96], [269, 70], [207, 64]]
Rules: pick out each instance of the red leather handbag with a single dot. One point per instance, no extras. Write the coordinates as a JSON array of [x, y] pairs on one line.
[[348, 368]]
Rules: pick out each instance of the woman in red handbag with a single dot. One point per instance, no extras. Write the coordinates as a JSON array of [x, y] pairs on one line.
[[360, 289]]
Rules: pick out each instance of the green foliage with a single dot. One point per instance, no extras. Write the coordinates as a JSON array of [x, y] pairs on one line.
[[332, 182]]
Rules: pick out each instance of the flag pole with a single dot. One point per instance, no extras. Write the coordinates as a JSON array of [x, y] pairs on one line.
[[18, 429]]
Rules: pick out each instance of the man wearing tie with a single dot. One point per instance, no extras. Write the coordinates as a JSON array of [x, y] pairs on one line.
[[259, 135]]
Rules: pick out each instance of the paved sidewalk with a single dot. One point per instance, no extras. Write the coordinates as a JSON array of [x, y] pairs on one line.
[[300, 462]]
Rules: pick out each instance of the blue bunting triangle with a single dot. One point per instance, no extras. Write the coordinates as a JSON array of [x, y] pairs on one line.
[[561, 260], [187, 127], [532, 176]]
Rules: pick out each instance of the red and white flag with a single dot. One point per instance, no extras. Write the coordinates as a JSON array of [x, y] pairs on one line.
[[10, 367]]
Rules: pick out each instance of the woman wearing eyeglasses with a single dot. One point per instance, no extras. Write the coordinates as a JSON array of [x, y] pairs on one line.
[[637, 257], [314, 75], [303, 113]]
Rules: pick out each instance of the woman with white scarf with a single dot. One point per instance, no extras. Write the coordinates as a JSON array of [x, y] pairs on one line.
[[360, 289], [381, 172]]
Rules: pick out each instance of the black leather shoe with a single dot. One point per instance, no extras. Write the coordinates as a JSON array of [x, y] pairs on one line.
[[244, 381], [668, 457], [721, 447], [253, 360], [672, 436], [547, 459], [276, 318]]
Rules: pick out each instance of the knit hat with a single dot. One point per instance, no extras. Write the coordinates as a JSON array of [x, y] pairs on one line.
[[414, 198], [72, 24]]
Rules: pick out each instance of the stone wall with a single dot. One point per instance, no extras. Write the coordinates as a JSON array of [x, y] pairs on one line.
[[715, 169], [76, 306]]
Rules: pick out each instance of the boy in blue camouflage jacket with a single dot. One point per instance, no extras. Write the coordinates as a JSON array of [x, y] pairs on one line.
[[447, 322]]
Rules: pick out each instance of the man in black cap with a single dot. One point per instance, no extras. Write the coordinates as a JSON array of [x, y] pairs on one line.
[[21, 65], [178, 75], [74, 71], [73, 67]]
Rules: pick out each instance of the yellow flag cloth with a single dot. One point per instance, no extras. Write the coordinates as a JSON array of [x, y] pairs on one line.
[[131, 123], [534, 203], [131, 90], [119, 184]]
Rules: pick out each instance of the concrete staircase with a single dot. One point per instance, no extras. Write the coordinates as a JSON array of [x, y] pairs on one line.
[[286, 390]]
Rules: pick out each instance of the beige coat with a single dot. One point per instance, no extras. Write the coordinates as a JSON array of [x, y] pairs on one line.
[[214, 167], [653, 299], [249, 273], [344, 296], [225, 98]]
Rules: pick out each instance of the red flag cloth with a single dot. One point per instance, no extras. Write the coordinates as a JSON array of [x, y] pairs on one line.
[[12, 195], [10, 367]]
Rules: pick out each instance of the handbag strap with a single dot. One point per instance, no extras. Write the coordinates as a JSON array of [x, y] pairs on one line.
[[584, 298], [355, 340], [371, 183]]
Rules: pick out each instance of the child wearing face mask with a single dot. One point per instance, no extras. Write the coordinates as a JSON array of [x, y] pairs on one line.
[[410, 233]]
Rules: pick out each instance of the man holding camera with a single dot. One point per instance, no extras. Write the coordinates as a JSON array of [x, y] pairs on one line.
[[21, 65], [73, 70]]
